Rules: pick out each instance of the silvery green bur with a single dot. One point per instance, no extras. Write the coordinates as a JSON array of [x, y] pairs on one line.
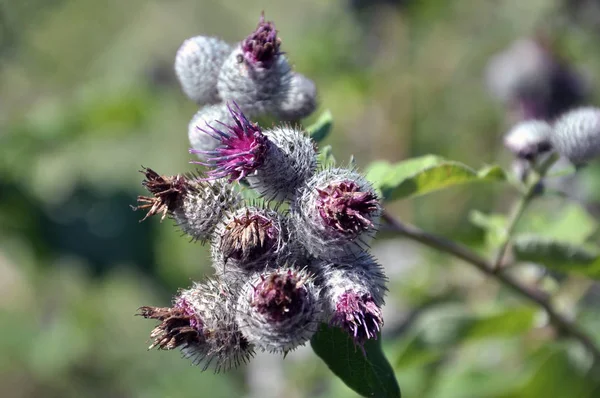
[[529, 138], [255, 74], [576, 135], [197, 65]]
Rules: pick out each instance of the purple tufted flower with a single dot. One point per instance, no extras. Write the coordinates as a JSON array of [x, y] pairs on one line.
[[279, 296], [261, 48], [358, 315], [241, 151], [279, 310], [345, 207]]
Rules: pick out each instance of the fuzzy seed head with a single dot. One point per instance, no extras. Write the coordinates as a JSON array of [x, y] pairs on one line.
[[289, 162], [336, 214], [529, 138], [279, 310], [261, 48], [210, 116], [250, 239], [197, 65], [242, 148], [577, 135]]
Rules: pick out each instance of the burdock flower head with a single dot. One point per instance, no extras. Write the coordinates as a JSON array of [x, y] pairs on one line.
[[261, 47], [250, 239], [195, 205], [202, 325], [337, 212], [354, 293], [279, 310], [241, 151], [576, 135], [529, 138]]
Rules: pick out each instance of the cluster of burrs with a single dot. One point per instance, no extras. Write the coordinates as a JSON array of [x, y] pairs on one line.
[[291, 256], [254, 73], [574, 135]]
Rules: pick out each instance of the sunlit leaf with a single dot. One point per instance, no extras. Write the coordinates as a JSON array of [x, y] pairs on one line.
[[557, 255], [425, 174], [370, 376]]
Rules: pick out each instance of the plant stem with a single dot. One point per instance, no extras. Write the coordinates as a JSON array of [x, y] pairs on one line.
[[530, 192], [563, 325]]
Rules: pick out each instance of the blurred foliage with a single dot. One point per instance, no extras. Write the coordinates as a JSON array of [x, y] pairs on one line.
[[87, 96]]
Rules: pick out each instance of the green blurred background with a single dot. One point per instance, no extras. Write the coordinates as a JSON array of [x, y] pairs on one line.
[[88, 95]]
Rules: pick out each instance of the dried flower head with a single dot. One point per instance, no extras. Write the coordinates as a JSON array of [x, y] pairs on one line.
[[178, 327], [167, 193], [261, 47], [336, 214], [241, 151], [576, 135], [279, 310], [250, 239], [529, 138], [210, 116], [354, 293], [196, 205], [202, 325], [197, 65], [289, 162]]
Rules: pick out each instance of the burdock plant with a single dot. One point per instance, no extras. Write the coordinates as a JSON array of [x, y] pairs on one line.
[[290, 229]]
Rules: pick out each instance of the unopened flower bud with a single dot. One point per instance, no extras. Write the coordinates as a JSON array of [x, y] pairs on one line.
[[255, 89], [529, 138], [299, 101], [576, 135], [261, 47], [336, 214], [290, 161], [354, 294], [197, 65], [250, 239], [207, 117], [202, 324], [279, 310], [194, 204]]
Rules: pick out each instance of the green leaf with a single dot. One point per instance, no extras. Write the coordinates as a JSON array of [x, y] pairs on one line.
[[319, 130], [494, 226], [570, 223], [425, 174], [370, 376], [325, 157], [557, 255]]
